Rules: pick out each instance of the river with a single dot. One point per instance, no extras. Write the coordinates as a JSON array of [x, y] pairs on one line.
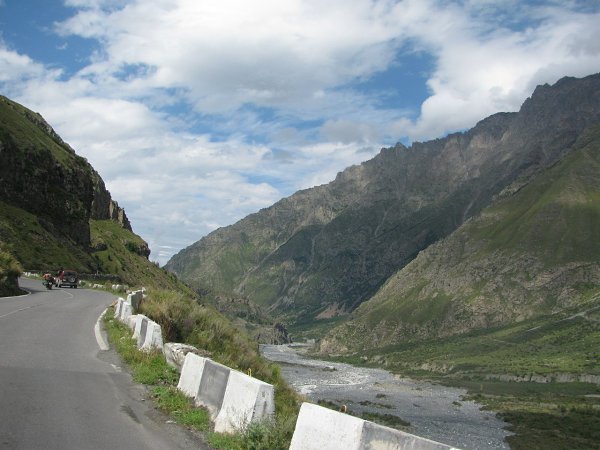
[[433, 411]]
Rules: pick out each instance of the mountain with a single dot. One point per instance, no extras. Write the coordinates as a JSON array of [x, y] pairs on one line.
[[534, 252], [322, 252], [55, 209]]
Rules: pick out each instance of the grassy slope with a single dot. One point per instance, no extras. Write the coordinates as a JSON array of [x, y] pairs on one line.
[[119, 256], [542, 415], [10, 270], [533, 253], [30, 137], [36, 248], [545, 239]]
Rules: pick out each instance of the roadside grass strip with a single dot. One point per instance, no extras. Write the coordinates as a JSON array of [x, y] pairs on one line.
[[151, 368]]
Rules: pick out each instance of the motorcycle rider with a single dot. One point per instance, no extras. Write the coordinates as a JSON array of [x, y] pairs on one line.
[[60, 275], [48, 280]]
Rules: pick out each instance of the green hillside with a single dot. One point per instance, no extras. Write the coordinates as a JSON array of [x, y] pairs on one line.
[[56, 212], [535, 252], [320, 253]]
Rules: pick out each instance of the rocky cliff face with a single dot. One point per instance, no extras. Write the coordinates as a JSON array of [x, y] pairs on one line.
[[44, 176], [535, 251], [326, 250]]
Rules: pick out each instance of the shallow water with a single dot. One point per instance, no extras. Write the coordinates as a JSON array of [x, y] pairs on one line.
[[433, 411]]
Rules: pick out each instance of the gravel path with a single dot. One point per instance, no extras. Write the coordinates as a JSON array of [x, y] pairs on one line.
[[433, 411]]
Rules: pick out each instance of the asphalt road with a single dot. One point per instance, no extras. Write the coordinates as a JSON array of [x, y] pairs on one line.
[[59, 390]]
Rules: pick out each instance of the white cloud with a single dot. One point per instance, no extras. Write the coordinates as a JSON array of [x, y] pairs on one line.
[[481, 69], [198, 113], [233, 52]]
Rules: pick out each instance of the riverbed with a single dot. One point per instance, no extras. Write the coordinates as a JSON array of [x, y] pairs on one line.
[[431, 410]]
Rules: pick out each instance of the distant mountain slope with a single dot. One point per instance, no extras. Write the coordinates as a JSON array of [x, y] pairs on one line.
[[535, 252], [55, 210], [323, 251]]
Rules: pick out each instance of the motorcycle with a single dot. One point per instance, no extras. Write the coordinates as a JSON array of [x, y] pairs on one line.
[[48, 282]]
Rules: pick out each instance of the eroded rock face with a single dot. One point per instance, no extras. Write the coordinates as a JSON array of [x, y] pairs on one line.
[[43, 175], [105, 208], [338, 243]]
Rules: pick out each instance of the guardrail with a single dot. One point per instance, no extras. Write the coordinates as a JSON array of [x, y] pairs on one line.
[[235, 399]]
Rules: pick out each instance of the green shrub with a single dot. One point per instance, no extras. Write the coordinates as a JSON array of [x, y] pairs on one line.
[[10, 270], [183, 320]]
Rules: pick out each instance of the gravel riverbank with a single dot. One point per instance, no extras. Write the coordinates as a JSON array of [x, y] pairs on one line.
[[433, 411]]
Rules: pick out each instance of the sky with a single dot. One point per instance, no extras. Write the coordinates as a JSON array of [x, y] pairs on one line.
[[197, 113]]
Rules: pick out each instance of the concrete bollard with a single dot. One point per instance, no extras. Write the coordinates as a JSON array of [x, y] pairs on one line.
[[118, 307], [191, 374], [320, 428], [126, 311], [232, 398], [246, 400], [153, 339]]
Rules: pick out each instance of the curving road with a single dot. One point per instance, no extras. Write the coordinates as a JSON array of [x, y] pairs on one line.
[[59, 390]]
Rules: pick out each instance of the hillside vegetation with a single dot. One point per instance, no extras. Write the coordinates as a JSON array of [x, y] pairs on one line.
[[322, 252], [56, 212], [534, 252]]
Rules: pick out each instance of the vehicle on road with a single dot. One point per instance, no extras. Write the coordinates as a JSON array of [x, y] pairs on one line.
[[48, 280], [70, 279]]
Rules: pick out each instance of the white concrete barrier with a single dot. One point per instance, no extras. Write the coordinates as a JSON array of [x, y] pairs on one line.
[[212, 387], [126, 311], [153, 338], [379, 437], [137, 329], [191, 375], [142, 330], [131, 320], [232, 398], [118, 307], [320, 428], [246, 400]]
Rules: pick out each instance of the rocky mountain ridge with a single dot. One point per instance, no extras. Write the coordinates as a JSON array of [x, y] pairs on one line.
[[323, 251], [534, 252]]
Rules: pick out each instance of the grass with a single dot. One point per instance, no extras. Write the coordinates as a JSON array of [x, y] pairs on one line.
[[10, 270], [542, 415], [182, 319], [120, 252], [35, 247]]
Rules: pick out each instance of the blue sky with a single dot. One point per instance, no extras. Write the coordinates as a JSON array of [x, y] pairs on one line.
[[199, 112]]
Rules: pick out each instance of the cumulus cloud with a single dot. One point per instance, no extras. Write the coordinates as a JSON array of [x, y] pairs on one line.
[[482, 69], [199, 113]]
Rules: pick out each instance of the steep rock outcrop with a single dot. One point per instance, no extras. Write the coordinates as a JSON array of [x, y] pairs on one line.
[[43, 175], [337, 244]]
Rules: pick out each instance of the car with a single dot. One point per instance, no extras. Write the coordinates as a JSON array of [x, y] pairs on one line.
[[70, 279]]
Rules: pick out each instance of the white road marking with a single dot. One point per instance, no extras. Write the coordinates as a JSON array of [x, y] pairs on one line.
[[99, 338], [19, 310]]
